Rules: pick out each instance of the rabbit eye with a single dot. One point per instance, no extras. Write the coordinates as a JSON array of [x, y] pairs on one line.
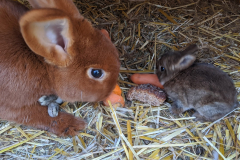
[[97, 73], [162, 69]]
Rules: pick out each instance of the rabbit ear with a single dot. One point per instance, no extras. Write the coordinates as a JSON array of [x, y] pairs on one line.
[[185, 61], [64, 5], [48, 33], [190, 49]]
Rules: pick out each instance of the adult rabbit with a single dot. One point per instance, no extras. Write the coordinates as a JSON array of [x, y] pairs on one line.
[[51, 49]]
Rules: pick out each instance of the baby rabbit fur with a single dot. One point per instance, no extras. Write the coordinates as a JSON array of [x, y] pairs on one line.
[[51, 49], [199, 86]]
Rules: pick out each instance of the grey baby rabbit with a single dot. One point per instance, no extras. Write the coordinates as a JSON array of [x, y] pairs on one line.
[[199, 86]]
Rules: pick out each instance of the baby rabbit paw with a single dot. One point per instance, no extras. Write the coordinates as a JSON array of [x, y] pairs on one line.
[[53, 109], [199, 117], [53, 102], [175, 109], [67, 125]]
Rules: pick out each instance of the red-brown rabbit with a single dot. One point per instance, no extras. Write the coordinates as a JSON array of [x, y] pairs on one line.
[[51, 49]]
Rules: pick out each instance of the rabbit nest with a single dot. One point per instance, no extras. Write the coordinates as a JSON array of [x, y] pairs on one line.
[[142, 31]]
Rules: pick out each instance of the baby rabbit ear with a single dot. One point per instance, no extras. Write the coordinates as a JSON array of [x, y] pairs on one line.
[[49, 33], [187, 58], [190, 49], [64, 5], [185, 61]]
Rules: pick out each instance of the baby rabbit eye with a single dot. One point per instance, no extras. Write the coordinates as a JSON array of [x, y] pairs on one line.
[[162, 69], [96, 73]]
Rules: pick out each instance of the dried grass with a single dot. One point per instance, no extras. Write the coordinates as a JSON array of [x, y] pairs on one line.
[[142, 31]]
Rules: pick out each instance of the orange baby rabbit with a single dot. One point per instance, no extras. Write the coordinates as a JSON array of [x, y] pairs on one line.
[[51, 50]]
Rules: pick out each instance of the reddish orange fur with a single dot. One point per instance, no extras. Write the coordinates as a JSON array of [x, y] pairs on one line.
[[62, 5], [26, 76], [37, 16]]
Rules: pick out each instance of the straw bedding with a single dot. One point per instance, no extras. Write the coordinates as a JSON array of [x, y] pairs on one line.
[[142, 31]]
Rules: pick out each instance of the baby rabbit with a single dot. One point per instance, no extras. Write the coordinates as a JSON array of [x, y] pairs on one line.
[[199, 86], [52, 102], [51, 50]]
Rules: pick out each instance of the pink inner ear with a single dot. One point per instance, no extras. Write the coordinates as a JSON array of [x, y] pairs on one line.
[[105, 32]]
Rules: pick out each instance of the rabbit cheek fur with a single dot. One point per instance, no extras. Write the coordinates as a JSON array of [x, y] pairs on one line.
[[202, 87], [75, 76], [32, 65]]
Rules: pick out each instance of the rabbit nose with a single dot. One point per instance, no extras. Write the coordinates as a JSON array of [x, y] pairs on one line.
[[105, 33]]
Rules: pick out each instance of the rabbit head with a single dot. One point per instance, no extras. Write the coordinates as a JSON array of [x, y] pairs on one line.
[[82, 62], [170, 64]]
